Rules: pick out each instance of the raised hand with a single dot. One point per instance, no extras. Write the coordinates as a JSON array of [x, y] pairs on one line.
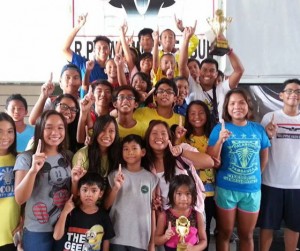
[[119, 59], [119, 178], [38, 159], [169, 232], [179, 23], [155, 35], [90, 65], [180, 131], [271, 127], [175, 150], [69, 206], [224, 133], [87, 136], [81, 20], [48, 88]]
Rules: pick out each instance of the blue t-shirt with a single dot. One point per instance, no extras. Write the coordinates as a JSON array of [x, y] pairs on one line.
[[97, 72], [240, 156], [24, 137]]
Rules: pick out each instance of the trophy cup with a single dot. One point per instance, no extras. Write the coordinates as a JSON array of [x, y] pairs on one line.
[[218, 25], [182, 229]]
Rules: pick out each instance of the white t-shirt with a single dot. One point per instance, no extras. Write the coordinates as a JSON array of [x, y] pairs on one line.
[[283, 167], [197, 93]]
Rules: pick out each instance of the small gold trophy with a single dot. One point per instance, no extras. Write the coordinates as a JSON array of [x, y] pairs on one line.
[[218, 25], [182, 229]]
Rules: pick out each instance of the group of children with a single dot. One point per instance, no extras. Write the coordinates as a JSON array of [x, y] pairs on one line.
[[116, 168]]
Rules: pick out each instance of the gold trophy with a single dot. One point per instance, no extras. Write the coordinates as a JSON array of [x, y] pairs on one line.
[[182, 229], [218, 25]]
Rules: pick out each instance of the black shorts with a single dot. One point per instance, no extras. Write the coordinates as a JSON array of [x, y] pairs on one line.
[[279, 204]]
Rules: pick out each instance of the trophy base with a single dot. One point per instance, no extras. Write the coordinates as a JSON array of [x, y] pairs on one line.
[[181, 247], [219, 48]]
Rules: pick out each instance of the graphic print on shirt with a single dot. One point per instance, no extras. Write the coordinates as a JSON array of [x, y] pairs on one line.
[[288, 131], [242, 152], [58, 177], [7, 181], [84, 239]]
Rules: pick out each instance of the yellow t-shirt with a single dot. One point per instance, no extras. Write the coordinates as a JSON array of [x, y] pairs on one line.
[[139, 129], [81, 158], [147, 114], [207, 175], [9, 209]]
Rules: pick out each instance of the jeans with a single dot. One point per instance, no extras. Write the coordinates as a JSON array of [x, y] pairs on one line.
[[41, 241]]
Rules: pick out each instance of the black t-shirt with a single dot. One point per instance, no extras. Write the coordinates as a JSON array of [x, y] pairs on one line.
[[87, 231]]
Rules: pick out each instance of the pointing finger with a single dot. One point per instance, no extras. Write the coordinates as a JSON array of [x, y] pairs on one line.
[[71, 197], [120, 168], [86, 14], [175, 18], [51, 77], [39, 147], [169, 225], [180, 121], [150, 92], [273, 119], [222, 125]]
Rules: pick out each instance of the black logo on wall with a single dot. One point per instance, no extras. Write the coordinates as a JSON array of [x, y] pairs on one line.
[[141, 7]]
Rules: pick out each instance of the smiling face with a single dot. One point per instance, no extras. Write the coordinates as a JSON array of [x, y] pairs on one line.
[[167, 40], [146, 64], [111, 69], [139, 84], [237, 108], [125, 103], [291, 99], [102, 95], [16, 110], [158, 138], [101, 51], [107, 136], [54, 131], [197, 116], [70, 81], [7, 136], [165, 96], [208, 75], [167, 61], [68, 109], [194, 69], [183, 90]]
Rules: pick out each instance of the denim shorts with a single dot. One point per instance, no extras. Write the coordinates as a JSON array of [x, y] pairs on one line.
[[228, 199], [40, 241]]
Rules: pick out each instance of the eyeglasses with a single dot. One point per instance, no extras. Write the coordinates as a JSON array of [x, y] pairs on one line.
[[123, 97], [65, 107], [290, 91], [162, 91]]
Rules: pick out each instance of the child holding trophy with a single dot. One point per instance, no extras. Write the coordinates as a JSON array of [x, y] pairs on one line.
[[181, 227]]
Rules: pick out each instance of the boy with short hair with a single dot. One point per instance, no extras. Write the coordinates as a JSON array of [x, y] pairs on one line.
[[165, 96], [183, 92], [70, 82], [16, 107], [87, 226], [146, 40], [280, 199], [101, 52]]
